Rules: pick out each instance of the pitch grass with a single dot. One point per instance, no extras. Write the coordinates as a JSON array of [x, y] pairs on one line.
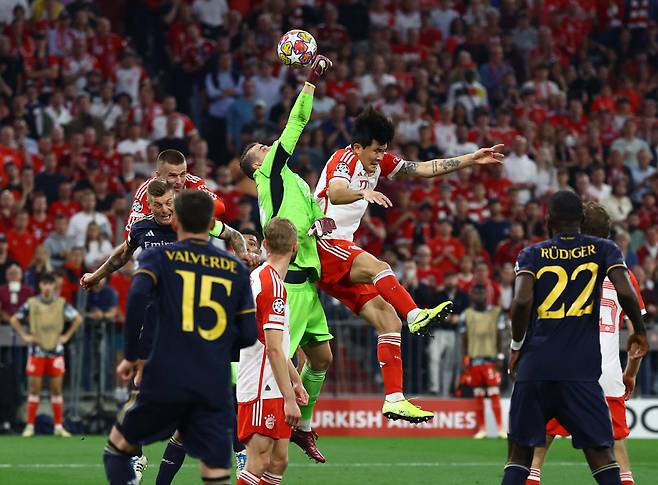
[[351, 461]]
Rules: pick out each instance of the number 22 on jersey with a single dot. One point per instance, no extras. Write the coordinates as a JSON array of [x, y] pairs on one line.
[[576, 309], [205, 300]]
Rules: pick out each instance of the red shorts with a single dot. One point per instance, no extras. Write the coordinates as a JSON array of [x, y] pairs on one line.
[[617, 407], [39, 366], [336, 258], [485, 375], [264, 417]]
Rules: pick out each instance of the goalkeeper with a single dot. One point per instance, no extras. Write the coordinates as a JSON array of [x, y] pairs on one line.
[[283, 193]]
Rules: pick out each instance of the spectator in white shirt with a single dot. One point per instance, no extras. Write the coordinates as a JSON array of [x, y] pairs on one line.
[[77, 229], [372, 83], [462, 146], [469, 92], [598, 189], [445, 131], [267, 86], [322, 104], [618, 204], [543, 87], [7, 10], [409, 128], [57, 110], [380, 17], [407, 17], [521, 170], [129, 76], [442, 17], [211, 14], [105, 108], [630, 145], [97, 246], [134, 145]]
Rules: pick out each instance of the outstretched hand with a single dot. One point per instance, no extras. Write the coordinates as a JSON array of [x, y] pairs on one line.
[[319, 68], [489, 156]]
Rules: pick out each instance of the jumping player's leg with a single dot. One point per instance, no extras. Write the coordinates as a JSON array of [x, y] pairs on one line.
[[366, 269], [538, 461], [318, 359], [259, 452], [383, 318]]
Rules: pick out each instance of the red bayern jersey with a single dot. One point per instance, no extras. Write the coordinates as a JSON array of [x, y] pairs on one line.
[[140, 205]]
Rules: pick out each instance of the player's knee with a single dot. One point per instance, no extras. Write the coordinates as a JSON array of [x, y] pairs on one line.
[[278, 464], [599, 457], [521, 455], [321, 362], [376, 266]]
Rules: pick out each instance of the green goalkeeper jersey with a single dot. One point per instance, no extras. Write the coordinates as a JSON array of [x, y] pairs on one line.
[[283, 193]]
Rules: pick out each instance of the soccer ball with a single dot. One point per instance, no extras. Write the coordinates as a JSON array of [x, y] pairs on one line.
[[297, 48]]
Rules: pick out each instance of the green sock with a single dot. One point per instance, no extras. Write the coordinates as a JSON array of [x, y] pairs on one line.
[[312, 381]]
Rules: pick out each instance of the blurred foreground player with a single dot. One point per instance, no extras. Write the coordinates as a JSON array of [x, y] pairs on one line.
[[617, 386], [46, 314], [205, 309], [557, 364], [269, 388]]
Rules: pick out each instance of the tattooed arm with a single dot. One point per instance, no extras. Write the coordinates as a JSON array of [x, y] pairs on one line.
[[120, 256], [439, 166], [235, 240]]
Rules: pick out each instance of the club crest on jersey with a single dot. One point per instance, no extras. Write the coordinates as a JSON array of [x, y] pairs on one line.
[[270, 421], [137, 206], [278, 306], [343, 168]]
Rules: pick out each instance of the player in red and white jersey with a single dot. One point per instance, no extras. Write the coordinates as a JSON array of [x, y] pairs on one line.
[[617, 385], [269, 389], [363, 283], [172, 166]]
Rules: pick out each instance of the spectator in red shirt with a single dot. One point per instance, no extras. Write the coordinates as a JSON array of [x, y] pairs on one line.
[[509, 249], [106, 46], [7, 210], [41, 223], [64, 204], [650, 247], [481, 276], [14, 293], [465, 274], [446, 249], [427, 274], [22, 240], [473, 247]]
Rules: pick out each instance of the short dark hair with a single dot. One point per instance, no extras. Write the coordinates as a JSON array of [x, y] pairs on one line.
[[565, 207], [158, 187], [246, 160], [47, 278], [372, 125], [253, 232], [172, 157], [194, 210], [596, 221]]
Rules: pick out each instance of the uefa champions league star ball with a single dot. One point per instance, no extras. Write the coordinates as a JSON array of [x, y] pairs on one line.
[[297, 48]]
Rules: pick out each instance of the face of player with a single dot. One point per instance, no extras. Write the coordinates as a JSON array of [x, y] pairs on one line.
[[258, 152], [47, 289], [162, 208], [370, 156], [175, 175], [252, 244]]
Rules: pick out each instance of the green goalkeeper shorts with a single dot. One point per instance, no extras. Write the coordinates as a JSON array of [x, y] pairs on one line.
[[308, 323]]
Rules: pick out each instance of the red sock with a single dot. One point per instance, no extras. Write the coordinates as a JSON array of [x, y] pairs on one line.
[[626, 478], [58, 408], [270, 479], [534, 478], [393, 292], [390, 361], [497, 412], [479, 413], [247, 478], [32, 407]]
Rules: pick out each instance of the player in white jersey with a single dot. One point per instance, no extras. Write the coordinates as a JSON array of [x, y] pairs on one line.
[[366, 285], [617, 386], [269, 389]]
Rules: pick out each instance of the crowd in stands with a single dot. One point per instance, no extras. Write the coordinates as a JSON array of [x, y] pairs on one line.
[[89, 95]]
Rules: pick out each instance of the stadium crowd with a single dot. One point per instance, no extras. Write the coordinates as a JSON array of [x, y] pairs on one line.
[[89, 96]]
